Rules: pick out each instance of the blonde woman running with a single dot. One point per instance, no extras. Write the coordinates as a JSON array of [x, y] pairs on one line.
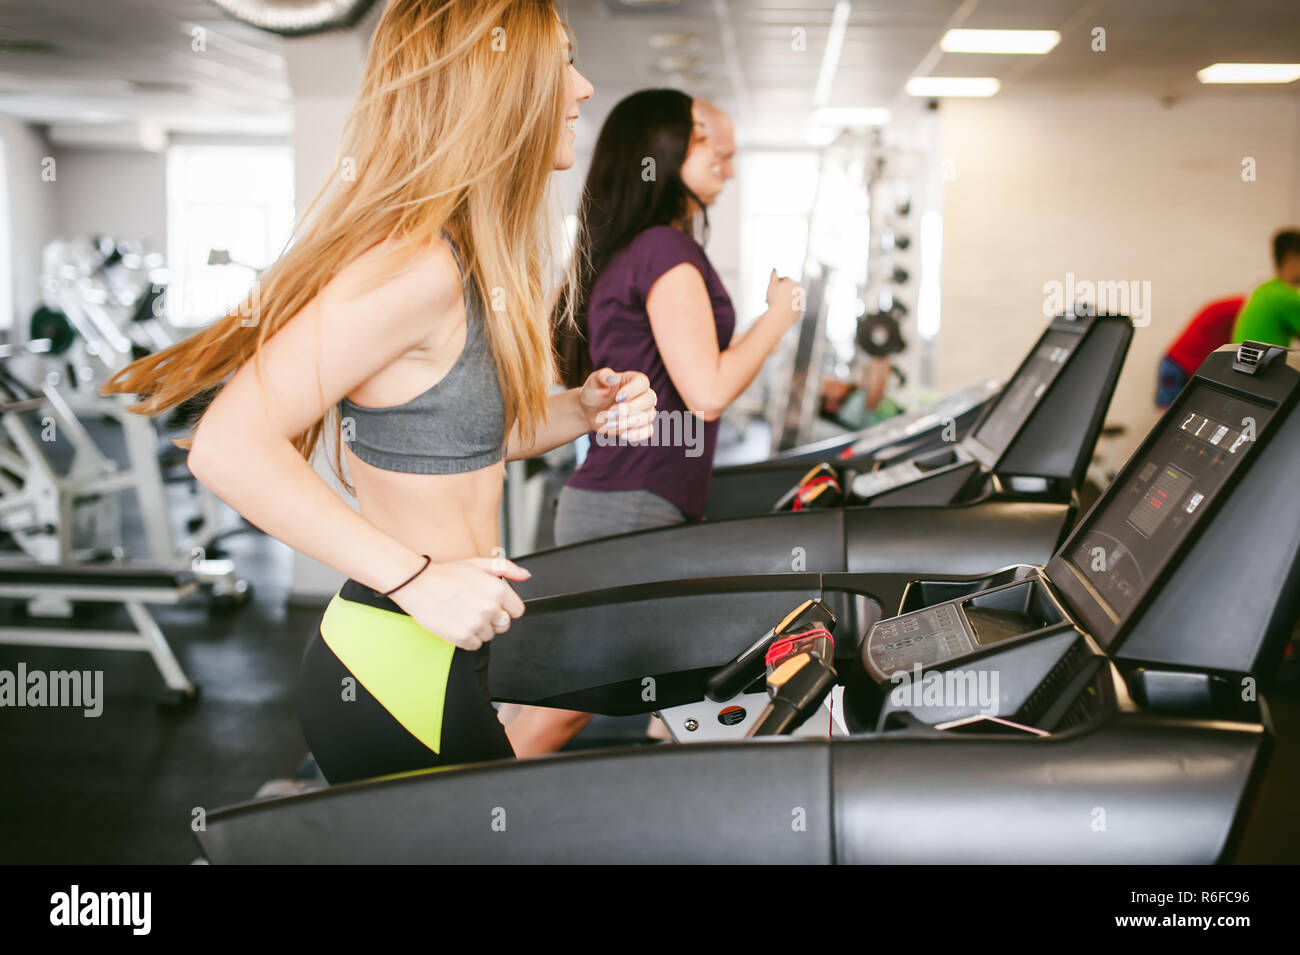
[[411, 301]]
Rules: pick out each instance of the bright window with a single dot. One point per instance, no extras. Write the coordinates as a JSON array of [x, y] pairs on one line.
[[237, 199], [777, 192], [798, 206]]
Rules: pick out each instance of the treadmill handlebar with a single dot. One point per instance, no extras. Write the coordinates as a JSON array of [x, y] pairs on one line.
[[749, 664]]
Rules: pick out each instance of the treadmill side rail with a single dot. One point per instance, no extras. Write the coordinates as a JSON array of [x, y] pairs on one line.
[[1138, 791], [707, 803], [1131, 790]]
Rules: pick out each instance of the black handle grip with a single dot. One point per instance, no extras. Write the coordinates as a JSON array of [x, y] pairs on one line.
[[777, 719], [748, 665], [796, 699], [740, 672]]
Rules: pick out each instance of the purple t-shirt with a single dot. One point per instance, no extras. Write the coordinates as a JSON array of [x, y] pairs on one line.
[[677, 463]]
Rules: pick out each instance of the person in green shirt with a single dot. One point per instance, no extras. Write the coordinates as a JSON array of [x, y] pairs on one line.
[[1272, 313]]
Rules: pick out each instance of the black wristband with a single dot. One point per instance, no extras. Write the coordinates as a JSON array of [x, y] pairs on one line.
[[427, 560]]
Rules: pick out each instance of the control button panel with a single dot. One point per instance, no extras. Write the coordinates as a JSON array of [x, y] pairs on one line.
[[926, 637], [874, 483]]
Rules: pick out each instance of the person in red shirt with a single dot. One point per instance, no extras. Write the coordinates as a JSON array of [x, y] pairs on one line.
[[1208, 329]]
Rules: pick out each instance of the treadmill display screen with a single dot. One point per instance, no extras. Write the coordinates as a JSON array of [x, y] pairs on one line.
[[1025, 390], [1123, 548]]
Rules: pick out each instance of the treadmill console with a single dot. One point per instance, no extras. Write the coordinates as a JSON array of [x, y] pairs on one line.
[[1146, 565], [1120, 551], [878, 439], [995, 432], [957, 629], [1023, 393]]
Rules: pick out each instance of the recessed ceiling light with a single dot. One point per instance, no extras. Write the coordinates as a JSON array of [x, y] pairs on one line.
[[677, 64], [687, 42], [1250, 73], [850, 116], [831, 55], [953, 86], [999, 41]]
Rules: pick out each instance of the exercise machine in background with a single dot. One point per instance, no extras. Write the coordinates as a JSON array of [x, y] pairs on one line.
[[104, 306], [89, 491]]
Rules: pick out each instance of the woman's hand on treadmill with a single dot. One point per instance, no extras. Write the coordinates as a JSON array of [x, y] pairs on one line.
[[619, 404], [784, 297], [466, 602]]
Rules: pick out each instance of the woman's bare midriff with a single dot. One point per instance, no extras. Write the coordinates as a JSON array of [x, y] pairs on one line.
[[447, 516]]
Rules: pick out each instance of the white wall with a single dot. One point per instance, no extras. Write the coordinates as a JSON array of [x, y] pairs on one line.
[[32, 210], [1114, 188], [116, 192]]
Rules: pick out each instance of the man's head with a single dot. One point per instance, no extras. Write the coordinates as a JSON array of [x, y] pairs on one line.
[[716, 165], [722, 136], [1286, 255]]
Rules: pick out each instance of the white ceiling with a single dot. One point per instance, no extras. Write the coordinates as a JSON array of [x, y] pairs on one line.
[[74, 60], [69, 60], [748, 59]]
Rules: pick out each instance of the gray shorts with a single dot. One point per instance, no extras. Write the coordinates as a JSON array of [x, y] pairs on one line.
[[585, 515]]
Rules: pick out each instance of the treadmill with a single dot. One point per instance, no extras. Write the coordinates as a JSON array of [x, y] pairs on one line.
[[1124, 727], [943, 421], [1006, 492], [932, 466]]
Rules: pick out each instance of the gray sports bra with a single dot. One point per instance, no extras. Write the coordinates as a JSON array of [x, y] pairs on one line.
[[457, 425]]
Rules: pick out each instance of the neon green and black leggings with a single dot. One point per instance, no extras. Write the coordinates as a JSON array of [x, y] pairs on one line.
[[379, 694]]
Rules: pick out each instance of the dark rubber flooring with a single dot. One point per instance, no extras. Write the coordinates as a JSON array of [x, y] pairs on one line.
[[123, 787]]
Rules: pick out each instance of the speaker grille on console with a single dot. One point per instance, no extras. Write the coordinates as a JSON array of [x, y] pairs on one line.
[[1249, 356], [1080, 711], [1047, 691]]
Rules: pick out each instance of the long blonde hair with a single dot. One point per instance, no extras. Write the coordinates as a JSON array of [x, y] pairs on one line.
[[455, 128]]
